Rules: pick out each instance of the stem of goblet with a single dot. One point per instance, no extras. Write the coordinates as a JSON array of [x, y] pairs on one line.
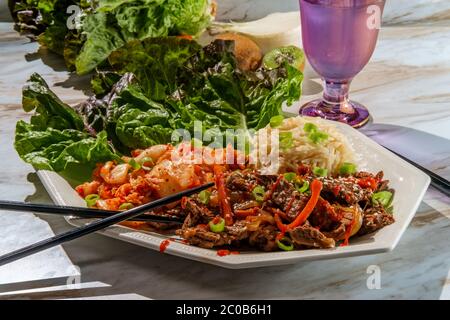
[[336, 94]]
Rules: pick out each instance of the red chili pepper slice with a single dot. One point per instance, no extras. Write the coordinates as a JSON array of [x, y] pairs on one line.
[[227, 214], [316, 187]]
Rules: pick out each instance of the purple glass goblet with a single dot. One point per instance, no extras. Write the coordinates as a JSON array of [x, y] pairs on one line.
[[339, 37]]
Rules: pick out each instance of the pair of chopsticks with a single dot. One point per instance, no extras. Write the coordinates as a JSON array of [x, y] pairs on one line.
[[91, 227], [437, 181], [79, 212]]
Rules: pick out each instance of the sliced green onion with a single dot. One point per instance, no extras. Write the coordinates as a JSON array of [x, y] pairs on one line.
[[314, 134], [383, 197], [146, 160], [91, 199], [204, 196], [133, 163], [258, 193], [276, 121], [290, 176], [283, 246], [347, 168], [310, 127], [317, 136], [286, 140], [320, 172], [126, 206], [304, 187], [217, 227]]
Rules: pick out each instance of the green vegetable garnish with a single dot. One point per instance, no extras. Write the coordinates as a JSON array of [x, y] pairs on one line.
[[320, 172], [276, 121], [310, 127], [285, 244], [384, 198], [126, 206], [286, 140], [347, 168], [217, 227], [133, 163], [204, 196], [258, 193], [304, 187], [317, 136], [290, 176], [91, 199], [145, 162], [314, 134]]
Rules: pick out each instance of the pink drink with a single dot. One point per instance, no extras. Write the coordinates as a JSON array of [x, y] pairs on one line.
[[339, 37], [336, 36]]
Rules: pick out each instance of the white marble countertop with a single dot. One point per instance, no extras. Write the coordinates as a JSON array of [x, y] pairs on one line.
[[406, 83]]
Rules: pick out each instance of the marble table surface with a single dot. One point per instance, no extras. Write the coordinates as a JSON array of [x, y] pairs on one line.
[[407, 83]]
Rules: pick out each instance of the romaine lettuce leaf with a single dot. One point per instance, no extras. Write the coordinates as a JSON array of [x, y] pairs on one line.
[[116, 22], [106, 25], [50, 110], [156, 62], [55, 137], [204, 83]]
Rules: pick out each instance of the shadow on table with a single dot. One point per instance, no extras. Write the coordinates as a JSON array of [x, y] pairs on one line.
[[40, 195], [56, 62]]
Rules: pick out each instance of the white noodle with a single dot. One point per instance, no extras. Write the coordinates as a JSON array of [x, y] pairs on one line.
[[329, 154]]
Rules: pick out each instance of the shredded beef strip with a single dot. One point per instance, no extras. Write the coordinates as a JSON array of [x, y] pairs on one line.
[[195, 214], [375, 218], [311, 237], [265, 238], [202, 237]]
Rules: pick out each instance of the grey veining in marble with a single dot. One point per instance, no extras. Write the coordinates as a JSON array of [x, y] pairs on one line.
[[406, 83], [396, 11]]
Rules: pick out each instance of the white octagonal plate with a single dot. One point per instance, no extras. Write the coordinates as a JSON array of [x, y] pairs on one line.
[[409, 183]]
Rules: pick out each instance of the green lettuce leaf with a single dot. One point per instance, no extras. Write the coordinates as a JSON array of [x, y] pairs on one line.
[[50, 110], [55, 137], [103, 81], [116, 22], [53, 37], [73, 42], [193, 83], [176, 83], [102, 37], [162, 59], [106, 25]]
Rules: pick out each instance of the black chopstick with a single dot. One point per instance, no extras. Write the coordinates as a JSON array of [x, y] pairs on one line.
[[97, 225], [80, 212], [437, 181]]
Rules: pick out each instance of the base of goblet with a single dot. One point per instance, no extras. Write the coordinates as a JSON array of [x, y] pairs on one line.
[[351, 113]]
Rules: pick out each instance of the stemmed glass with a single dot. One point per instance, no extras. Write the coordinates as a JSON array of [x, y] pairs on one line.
[[339, 37]]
